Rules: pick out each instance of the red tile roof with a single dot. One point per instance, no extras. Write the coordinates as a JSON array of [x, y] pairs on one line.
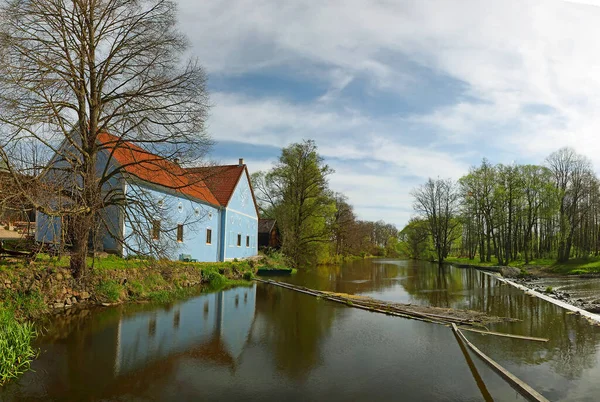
[[220, 179], [157, 170]]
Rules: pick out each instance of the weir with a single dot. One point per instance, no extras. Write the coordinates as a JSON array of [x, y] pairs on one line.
[[405, 311]]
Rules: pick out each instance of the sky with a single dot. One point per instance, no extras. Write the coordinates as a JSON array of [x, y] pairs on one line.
[[397, 91]]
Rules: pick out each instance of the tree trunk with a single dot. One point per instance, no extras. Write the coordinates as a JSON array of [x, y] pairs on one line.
[[82, 228]]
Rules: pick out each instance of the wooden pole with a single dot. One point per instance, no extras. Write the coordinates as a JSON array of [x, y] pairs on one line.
[[524, 389]]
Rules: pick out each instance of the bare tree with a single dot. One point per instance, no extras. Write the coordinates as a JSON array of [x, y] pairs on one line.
[[438, 201], [71, 70], [573, 178]]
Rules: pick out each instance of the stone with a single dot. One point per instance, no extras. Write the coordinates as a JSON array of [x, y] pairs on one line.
[[59, 305], [74, 300], [59, 277], [67, 302], [106, 304], [85, 295]]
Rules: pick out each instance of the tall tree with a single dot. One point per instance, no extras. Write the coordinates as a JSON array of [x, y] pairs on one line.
[[297, 192], [572, 177], [71, 70], [438, 202]]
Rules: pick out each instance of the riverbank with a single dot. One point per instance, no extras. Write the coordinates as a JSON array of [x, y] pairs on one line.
[[30, 293], [46, 285], [525, 277], [541, 267]]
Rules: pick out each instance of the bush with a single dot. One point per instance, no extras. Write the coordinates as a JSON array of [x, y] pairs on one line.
[[110, 290], [214, 278], [248, 276], [548, 289], [16, 352]]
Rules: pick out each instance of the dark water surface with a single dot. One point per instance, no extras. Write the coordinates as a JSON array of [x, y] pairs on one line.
[[269, 343]]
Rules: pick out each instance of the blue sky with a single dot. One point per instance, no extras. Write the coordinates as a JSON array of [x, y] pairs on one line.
[[394, 92]]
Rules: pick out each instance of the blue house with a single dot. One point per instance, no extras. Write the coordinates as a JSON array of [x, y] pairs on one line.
[[202, 213]]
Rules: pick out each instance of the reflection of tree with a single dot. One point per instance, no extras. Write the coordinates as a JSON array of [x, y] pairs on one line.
[[356, 277], [437, 285], [295, 325]]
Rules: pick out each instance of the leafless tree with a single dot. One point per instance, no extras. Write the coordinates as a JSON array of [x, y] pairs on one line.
[[574, 179], [71, 70], [438, 201]]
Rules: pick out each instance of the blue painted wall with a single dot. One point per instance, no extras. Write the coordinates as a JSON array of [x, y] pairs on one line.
[[47, 228], [195, 217], [241, 219]]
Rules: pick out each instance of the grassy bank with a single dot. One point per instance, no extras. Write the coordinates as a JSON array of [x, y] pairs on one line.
[[16, 336], [579, 266]]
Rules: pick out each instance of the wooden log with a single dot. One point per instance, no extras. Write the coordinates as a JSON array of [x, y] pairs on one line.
[[524, 389], [526, 338], [478, 380]]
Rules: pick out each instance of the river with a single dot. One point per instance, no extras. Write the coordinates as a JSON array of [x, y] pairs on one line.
[[267, 343]]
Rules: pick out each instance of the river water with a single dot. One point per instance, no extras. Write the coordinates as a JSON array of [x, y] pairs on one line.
[[268, 343]]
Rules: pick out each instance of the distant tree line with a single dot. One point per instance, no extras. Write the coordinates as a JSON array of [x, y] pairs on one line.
[[317, 225], [509, 212]]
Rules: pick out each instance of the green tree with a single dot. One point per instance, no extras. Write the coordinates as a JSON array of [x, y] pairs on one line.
[[414, 239], [296, 192]]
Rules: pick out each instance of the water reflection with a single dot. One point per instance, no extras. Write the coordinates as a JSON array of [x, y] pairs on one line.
[[296, 325], [268, 342], [109, 351]]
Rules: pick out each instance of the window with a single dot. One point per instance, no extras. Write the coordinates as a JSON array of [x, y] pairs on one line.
[[180, 233], [239, 240], [155, 229], [247, 241], [208, 236]]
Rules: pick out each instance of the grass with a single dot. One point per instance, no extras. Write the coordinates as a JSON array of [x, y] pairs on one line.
[[16, 352], [110, 290]]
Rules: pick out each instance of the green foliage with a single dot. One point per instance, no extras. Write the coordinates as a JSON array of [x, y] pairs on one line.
[[548, 289], [415, 240], [296, 193], [16, 352], [248, 276], [110, 290]]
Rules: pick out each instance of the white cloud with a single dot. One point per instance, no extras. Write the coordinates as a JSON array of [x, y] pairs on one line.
[[530, 68]]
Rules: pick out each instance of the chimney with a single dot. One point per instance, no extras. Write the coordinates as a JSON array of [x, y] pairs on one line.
[[241, 162]]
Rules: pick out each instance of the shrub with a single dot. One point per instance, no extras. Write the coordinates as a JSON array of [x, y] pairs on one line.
[[248, 276], [110, 290], [548, 289]]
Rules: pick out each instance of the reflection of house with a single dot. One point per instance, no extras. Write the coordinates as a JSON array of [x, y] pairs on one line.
[[213, 327], [268, 234], [210, 214]]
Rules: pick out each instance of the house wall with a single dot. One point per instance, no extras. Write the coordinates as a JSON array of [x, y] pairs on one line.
[[47, 228], [195, 216], [241, 218]]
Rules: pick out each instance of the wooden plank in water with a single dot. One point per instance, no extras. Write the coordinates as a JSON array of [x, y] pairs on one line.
[[515, 382], [478, 380], [526, 338]]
